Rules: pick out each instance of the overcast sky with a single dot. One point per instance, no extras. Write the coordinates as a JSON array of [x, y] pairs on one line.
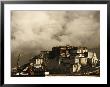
[[33, 31]]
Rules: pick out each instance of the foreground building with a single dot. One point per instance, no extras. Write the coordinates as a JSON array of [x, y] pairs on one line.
[[62, 60]]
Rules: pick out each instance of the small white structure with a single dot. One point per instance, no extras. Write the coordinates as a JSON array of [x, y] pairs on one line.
[[82, 50], [38, 63], [83, 61], [22, 73], [17, 73], [76, 60], [46, 73], [76, 67], [81, 55], [62, 55], [79, 51], [25, 69], [93, 57]]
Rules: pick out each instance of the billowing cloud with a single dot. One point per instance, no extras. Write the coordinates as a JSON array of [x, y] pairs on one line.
[[33, 31]]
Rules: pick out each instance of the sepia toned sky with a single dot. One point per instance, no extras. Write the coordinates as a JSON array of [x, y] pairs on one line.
[[33, 31]]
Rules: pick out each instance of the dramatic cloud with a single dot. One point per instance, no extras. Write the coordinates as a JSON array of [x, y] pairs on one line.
[[33, 31]]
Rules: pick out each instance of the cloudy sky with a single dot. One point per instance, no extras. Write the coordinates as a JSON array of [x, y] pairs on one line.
[[33, 31]]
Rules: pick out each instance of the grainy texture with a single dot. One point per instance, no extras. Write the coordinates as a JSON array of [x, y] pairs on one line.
[[34, 31]]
